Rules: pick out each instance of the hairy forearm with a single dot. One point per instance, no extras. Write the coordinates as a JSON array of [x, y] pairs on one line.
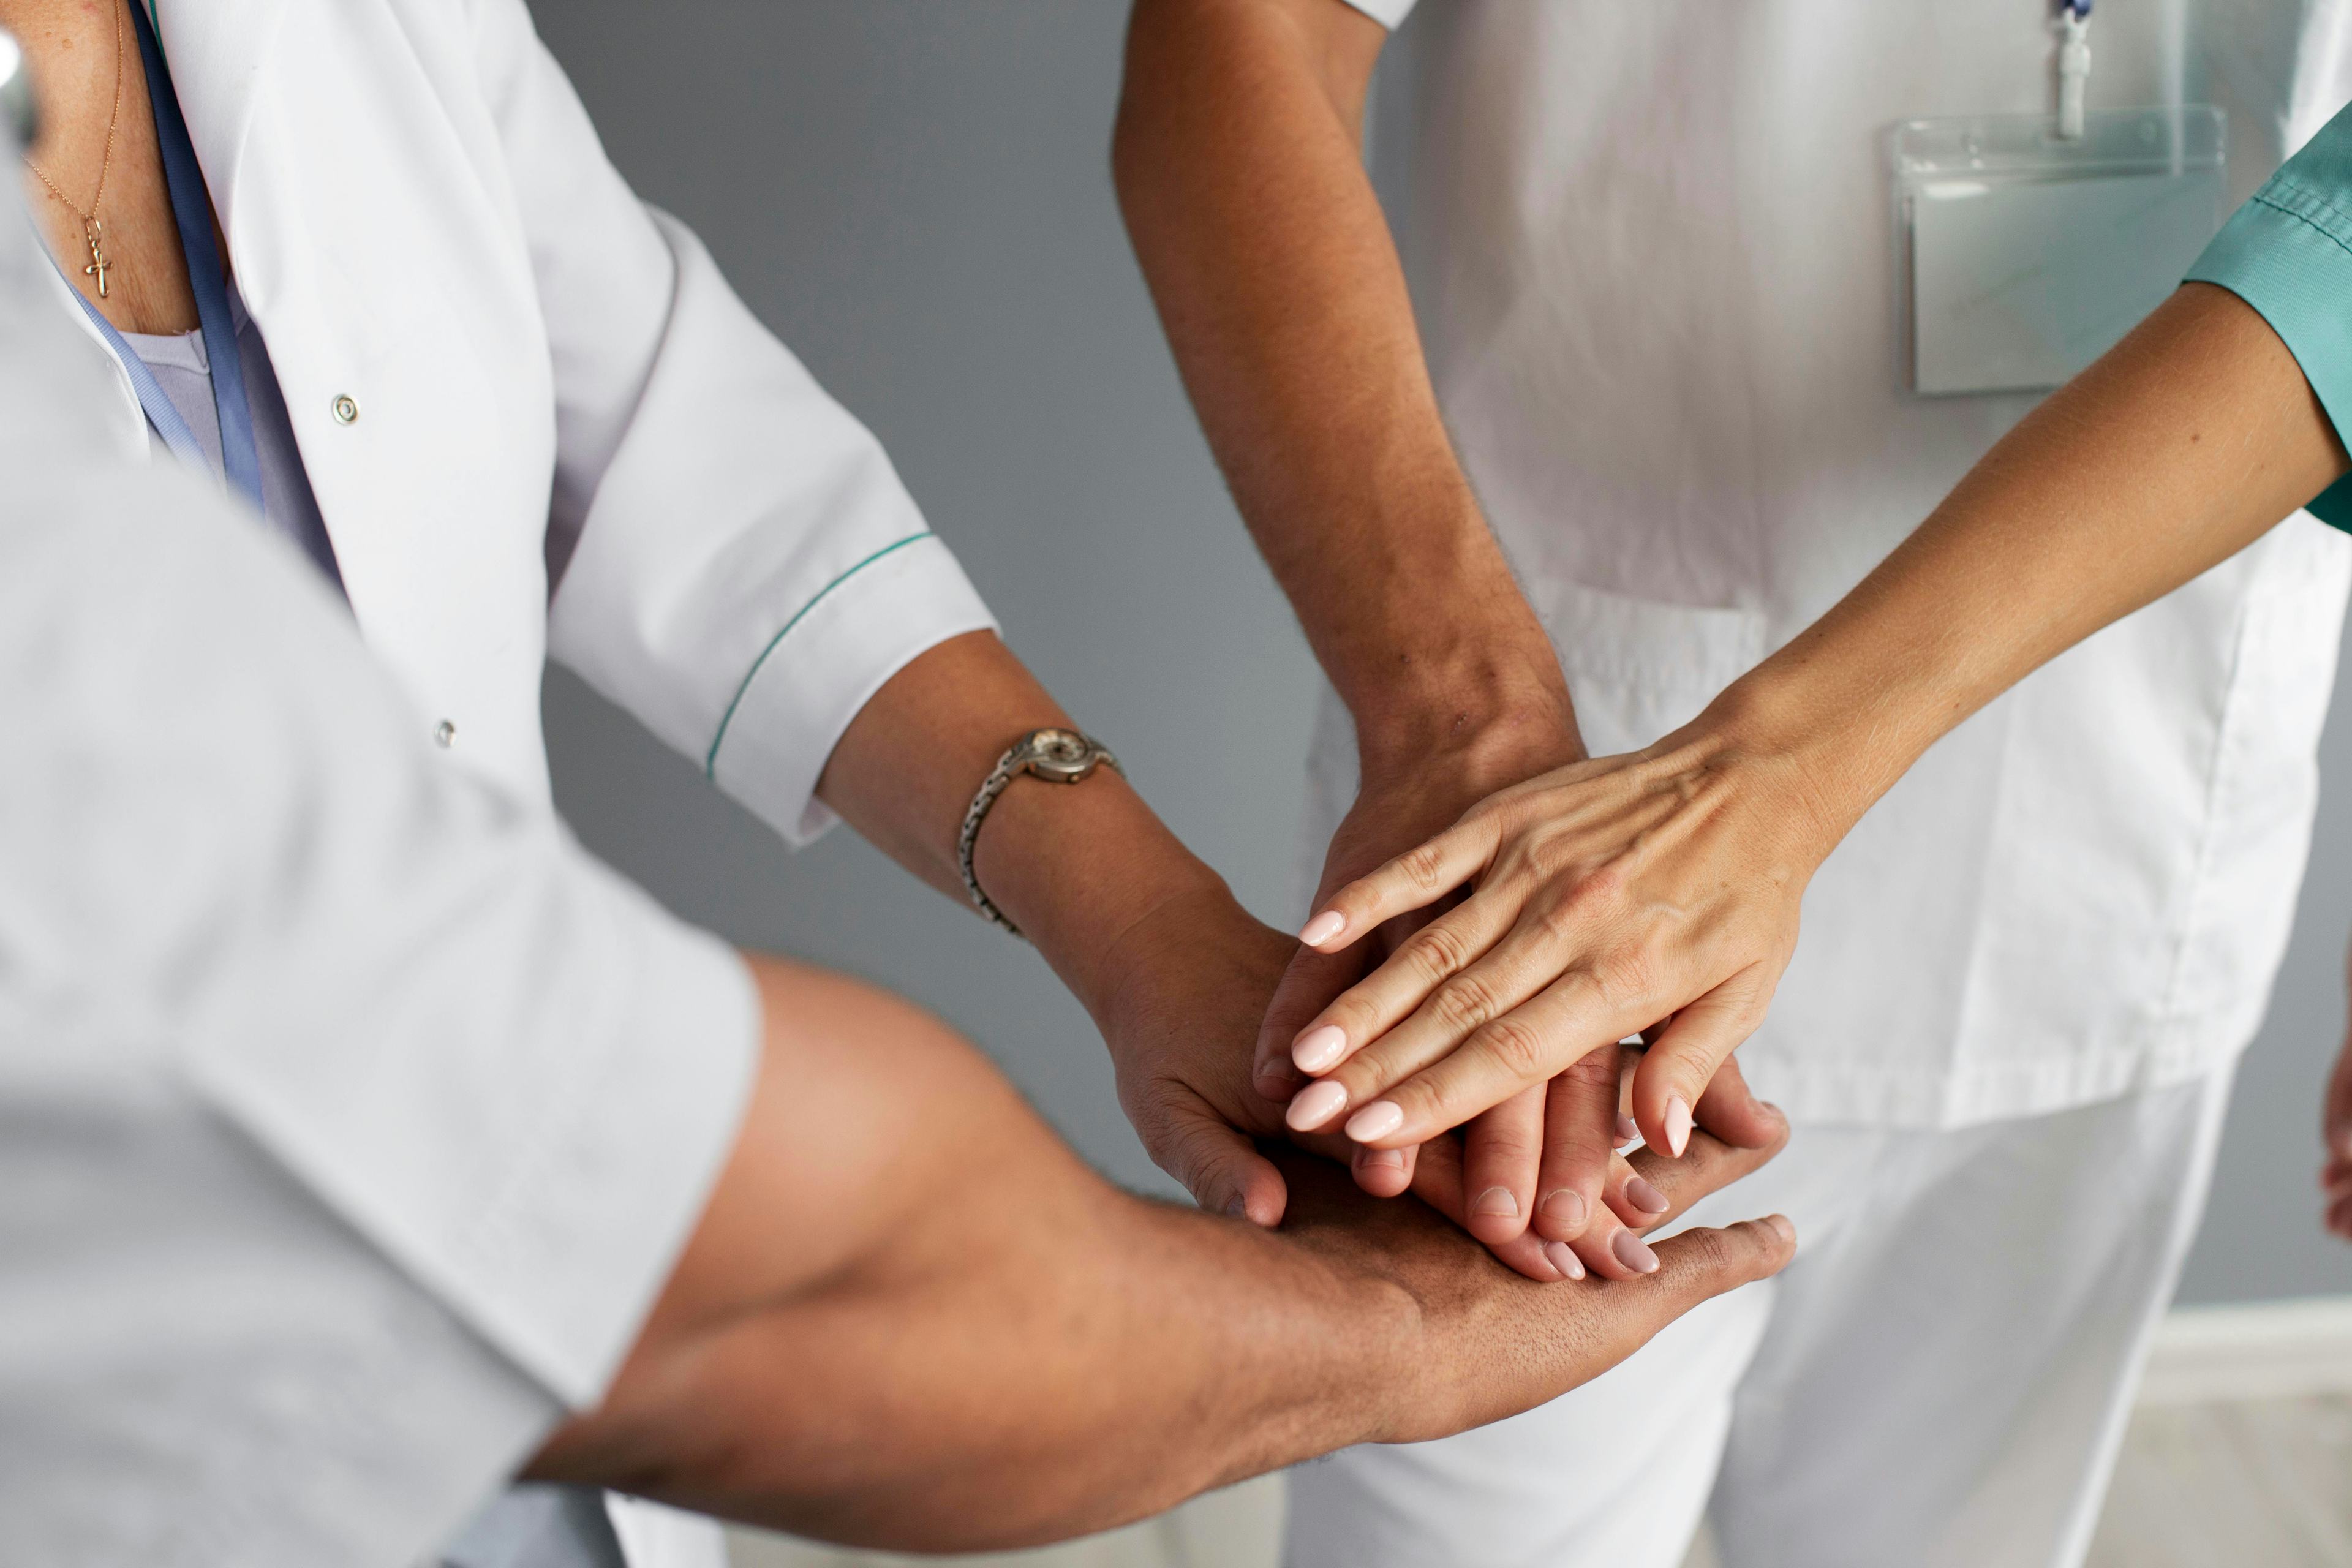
[[1072, 1382], [2187, 442], [1075, 866], [912, 1317], [1239, 170]]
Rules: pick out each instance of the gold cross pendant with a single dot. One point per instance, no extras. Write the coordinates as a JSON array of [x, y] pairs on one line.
[[98, 265]]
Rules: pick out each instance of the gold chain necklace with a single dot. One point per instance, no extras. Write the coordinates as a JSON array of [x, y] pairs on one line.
[[92, 231]]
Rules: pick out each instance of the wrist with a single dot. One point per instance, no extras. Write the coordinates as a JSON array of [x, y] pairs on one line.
[[1794, 753], [1078, 867], [1507, 718]]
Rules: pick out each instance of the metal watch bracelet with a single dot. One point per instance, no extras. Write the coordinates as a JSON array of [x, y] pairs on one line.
[[1058, 756]]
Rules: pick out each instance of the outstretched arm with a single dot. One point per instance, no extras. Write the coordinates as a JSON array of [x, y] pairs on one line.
[[1239, 167], [1668, 882], [910, 1317]]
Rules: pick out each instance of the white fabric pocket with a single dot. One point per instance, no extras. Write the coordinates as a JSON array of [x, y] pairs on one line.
[[1640, 669]]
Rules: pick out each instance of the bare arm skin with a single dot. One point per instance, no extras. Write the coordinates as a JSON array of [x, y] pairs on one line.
[[1669, 882], [910, 1317], [1174, 971], [1239, 167]]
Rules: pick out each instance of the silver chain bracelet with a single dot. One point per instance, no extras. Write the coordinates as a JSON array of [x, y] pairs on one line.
[[1058, 756]]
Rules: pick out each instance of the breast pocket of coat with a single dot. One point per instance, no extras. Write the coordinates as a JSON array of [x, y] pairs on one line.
[[1641, 668]]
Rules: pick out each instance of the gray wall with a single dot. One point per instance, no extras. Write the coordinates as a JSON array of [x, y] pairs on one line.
[[915, 196]]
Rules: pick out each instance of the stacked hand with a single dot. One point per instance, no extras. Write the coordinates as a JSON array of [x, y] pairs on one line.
[[1469, 1361], [1535, 1176]]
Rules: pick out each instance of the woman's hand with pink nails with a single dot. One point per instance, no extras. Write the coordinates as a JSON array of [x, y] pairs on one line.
[[1397, 806], [1603, 897]]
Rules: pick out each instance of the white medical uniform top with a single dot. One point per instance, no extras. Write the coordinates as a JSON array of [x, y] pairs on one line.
[[1652, 246], [351, 1118], [536, 420]]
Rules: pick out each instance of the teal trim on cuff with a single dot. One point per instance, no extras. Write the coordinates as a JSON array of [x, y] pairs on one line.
[[710, 760], [2286, 253]]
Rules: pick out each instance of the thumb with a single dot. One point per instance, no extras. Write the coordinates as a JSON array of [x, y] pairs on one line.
[[1730, 1110], [1307, 986], [1675, 1072], [1584, 1329], [1692, 1268], [1218, 1164]]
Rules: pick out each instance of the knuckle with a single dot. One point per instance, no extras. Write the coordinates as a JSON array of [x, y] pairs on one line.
[[1627, 973], [1505, 1144], [1357, 1018], [1513, 1045], [1437, 951], [1594, 1071], [1438, 1102], [1422, 865], [1709, 1252], [1462, 1003]]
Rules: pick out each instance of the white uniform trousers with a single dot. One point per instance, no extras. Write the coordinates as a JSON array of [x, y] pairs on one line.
[[1941, 1377]]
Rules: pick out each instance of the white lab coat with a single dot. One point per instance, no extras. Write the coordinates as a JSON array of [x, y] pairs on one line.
[[541, 368], [420, 219], [1653, 251]]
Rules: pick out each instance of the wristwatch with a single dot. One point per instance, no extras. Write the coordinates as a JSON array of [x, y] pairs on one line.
[[1058, 756]]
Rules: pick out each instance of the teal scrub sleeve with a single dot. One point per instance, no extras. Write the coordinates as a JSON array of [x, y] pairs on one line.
[[2288, 253]]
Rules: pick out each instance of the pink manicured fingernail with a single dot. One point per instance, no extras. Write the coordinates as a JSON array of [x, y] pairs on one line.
[[1316, 1104], [1379, 1159], [1628, 1129], [1678, 1126], [1318, 1048], [1566, 1209], [1632, 1252], [1499, 1201], [1377, 1119], [1562, 1256], [1323, 928], [1646, 1197]]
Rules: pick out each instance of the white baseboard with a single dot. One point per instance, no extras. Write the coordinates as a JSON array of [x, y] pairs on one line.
[[2267, 1350]]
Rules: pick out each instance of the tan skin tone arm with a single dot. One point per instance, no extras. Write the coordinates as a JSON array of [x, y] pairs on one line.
[[1669, 881], [910, 1317], [1239, 167], [1174, 973]]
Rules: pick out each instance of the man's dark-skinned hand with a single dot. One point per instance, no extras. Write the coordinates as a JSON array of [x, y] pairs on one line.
[[910, 1317]]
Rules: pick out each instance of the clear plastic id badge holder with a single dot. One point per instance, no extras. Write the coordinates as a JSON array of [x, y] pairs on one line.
[[2027, 254]]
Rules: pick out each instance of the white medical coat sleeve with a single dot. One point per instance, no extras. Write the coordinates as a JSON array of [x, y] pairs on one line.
[[748, 569], [227, 856]]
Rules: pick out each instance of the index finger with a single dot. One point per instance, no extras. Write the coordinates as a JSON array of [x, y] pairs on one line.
[[1413, 880]]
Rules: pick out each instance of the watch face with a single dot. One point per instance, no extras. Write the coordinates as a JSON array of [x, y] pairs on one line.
[[1060, 754]]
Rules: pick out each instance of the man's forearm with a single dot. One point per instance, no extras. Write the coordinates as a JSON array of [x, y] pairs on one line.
[[2186, 443], [910, 1317], [1240, 172]]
